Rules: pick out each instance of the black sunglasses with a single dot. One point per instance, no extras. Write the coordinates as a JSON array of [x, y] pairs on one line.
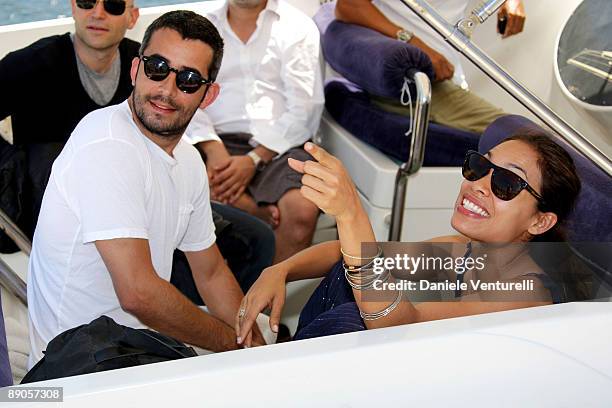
[[505, 184], [114, 7], [156, 68]]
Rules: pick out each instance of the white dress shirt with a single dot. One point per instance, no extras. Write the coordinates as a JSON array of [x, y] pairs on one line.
[[271, 87]]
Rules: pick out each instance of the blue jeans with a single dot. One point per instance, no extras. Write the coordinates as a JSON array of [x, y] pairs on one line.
[[246, 243]]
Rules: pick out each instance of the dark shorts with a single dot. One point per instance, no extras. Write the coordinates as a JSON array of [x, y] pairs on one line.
[[331, 309], [272, 180]]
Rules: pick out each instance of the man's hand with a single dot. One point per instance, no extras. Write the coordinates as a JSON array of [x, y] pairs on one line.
[[217, 160], [443, 69], [514, 12], [232, 181], [159, 305], [214, 166], [217, 163], [257, 338]]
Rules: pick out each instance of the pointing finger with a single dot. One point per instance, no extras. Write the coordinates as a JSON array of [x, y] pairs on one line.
[[320, 154]]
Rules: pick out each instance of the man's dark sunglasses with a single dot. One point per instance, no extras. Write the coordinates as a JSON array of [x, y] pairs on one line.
[[157, 68], [505, 184], [114, 7]]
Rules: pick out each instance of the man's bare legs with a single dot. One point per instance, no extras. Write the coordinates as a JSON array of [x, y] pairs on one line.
[[297, 224], [267, 213], [294, 220]]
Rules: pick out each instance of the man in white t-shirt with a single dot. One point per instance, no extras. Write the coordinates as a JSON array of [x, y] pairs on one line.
[[124, 193], [452, 104]]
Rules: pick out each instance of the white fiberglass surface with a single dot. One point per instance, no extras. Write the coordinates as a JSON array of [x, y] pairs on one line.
[[530, 357]]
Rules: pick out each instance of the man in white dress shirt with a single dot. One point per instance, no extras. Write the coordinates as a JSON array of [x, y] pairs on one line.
[[270, 104], [124, 193], [452, 104]]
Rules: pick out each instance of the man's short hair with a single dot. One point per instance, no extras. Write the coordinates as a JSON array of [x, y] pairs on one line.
[[191, 26]]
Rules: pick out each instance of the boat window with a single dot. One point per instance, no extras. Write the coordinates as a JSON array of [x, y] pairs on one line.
[[584, 57], [19, 11]]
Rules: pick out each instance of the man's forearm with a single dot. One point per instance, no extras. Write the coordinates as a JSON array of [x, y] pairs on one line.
[[211, 147], [221, 293], [163, 308], [266, 154], [364, 13]]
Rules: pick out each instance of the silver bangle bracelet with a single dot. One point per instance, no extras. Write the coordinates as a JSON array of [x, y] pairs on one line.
[[360, 280], [353, 269], [360, 258], [359, 283], [385, 311]]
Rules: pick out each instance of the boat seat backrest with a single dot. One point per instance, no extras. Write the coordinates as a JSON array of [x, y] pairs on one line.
[[589, 226], [591, 219]]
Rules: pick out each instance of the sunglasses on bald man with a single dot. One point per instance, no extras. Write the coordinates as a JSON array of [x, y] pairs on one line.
[[114, 7]]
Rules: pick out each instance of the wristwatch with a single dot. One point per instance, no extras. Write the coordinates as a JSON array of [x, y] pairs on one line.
[[256, 158], [404, 35]]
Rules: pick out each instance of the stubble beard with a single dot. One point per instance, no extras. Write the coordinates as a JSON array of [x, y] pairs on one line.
[[170, 129]]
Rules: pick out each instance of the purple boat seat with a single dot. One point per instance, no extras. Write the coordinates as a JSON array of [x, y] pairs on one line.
[[376, 63], [353, 110]]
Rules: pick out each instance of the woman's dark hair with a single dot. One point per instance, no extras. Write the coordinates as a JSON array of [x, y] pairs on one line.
[[560, 181], [190, 26], [560, 189]]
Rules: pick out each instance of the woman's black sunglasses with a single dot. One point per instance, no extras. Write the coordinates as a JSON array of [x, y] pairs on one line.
[[505, 184], [156, 68], [114, 7]]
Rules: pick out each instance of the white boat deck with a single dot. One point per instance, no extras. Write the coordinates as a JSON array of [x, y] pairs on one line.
[[517, 358]]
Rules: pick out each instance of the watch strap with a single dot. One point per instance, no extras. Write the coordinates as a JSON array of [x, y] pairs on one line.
[[257, 160]]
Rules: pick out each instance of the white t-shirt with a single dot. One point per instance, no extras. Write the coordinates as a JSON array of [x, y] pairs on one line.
[[451, 10], [110, 181]]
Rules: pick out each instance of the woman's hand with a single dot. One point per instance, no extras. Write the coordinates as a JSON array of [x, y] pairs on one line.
[[514, 12], [267, 292], [327, 184]]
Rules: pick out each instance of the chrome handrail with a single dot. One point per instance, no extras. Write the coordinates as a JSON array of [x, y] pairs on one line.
[[8, 278], [456, 36], [13, 283], [416, 155], [14, 233]]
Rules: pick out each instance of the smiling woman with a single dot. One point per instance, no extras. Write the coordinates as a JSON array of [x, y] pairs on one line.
[[521, 189]]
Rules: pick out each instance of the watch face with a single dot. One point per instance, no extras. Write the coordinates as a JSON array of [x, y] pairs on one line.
[[405, 36]]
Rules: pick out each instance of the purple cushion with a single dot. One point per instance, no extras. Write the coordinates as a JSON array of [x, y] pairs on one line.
[[371, 60], [6, 378], [386, 131], [591, 219]]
